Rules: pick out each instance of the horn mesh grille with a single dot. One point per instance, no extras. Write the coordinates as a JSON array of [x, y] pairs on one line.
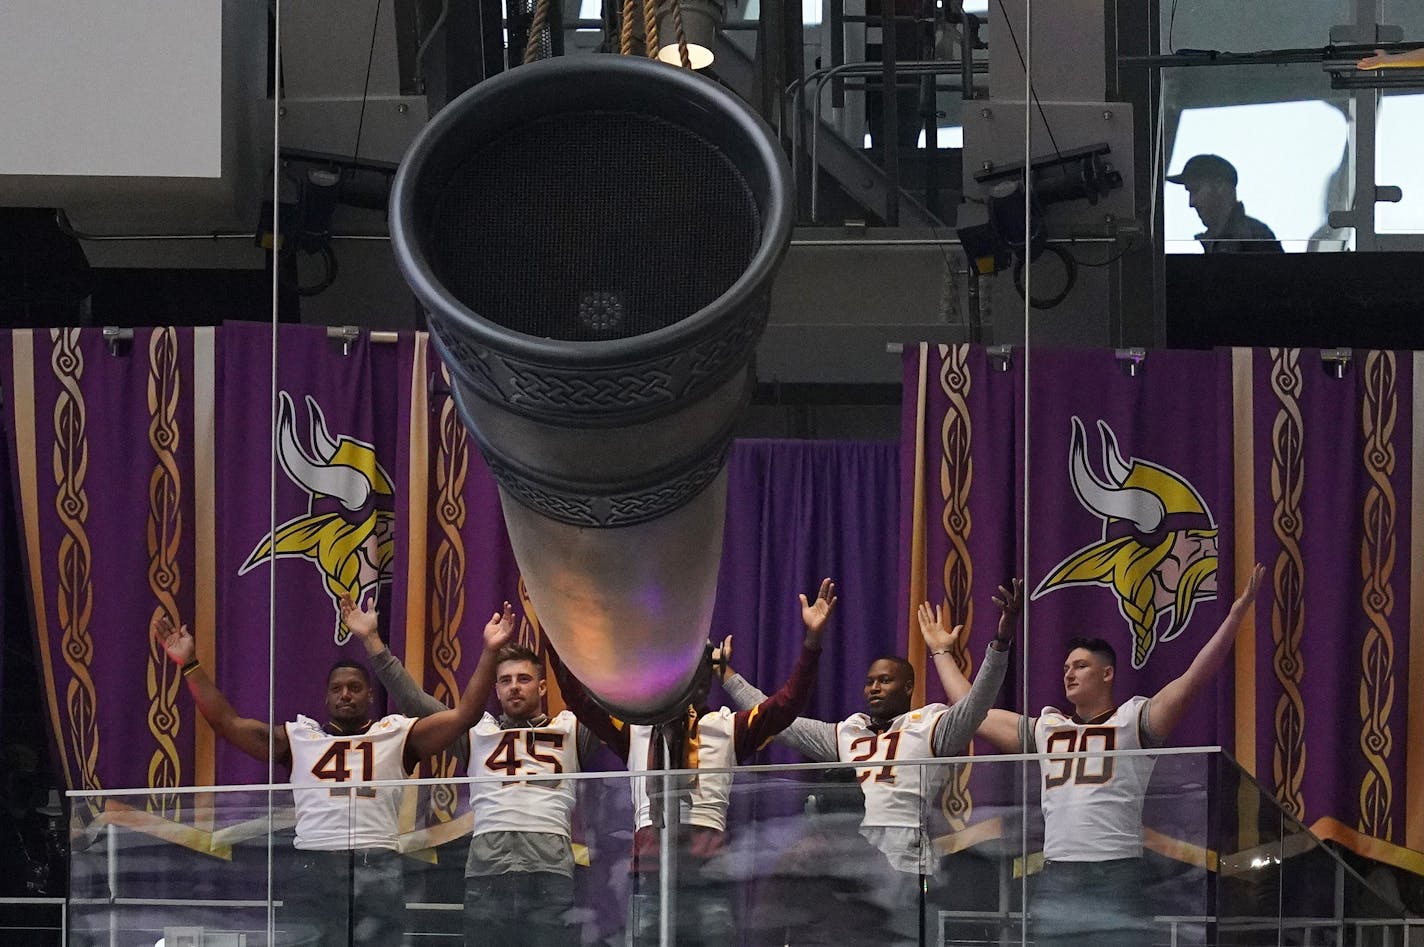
[[593, 225]]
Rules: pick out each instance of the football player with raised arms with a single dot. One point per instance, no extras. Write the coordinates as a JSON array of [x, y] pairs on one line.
[[704, 739], [347, 884], [519, 874], [896, 797], [1088, 891]]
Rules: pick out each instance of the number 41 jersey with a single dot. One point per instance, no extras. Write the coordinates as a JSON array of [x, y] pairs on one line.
[[332, 816], [1092, 806], [542, 805]]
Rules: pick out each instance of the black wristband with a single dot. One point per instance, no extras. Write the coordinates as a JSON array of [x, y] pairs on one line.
[[190, 667]]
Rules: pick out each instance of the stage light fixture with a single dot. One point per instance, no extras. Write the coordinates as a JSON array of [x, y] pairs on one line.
[[701, 22]]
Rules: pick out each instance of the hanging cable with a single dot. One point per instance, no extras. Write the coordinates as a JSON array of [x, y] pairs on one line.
[[534, 43], [682, 53], [1033, 93], [625, 33], [366, 85], [650, 28]]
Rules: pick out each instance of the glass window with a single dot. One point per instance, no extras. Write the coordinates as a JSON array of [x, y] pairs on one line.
[[1289, 157], [1230, 25], [1397, 163]]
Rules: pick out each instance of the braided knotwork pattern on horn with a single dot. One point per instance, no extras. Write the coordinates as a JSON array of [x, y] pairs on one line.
[[624, 509], [649, 386], [606, 391]]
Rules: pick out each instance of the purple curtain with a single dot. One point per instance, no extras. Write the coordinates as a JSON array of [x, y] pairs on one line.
[[797, 512]]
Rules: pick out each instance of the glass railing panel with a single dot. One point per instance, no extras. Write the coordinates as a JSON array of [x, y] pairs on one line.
[[1166, 847], [1280, 883], [1124, 854]]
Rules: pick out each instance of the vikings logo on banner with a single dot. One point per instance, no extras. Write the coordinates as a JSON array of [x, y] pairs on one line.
[[1157, 552], [346, 531]]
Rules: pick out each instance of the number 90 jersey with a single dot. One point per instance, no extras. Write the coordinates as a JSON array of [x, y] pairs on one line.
[[542, 805], [1092, 806], [333, 816]]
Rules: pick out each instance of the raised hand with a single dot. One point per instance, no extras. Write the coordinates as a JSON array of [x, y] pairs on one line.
[[722, 658], [361, 620], [816, 615], [1010, 602], [1248, 597], [932, 628], [176, 641], [499, 630]]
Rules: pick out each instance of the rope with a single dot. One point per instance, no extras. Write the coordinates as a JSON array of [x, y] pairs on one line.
[[534, 44], [650, 28], [625, 36], [681, 36]]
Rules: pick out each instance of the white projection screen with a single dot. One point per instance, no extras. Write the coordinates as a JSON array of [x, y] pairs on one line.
[[108, 87]]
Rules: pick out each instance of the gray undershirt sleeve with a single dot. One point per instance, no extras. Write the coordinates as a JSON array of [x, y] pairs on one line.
[[813, 739], [409, 698], [957, 724]]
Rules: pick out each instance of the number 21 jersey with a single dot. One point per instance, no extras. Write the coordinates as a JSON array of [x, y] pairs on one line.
[[894, 795]]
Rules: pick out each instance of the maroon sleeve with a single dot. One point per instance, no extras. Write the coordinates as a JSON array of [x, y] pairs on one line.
[[754, 729], [599, 722]]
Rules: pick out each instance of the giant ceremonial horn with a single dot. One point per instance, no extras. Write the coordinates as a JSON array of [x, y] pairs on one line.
[[594, 239]]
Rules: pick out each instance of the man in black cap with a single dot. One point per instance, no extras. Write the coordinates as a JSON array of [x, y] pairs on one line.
[[1210, 181]]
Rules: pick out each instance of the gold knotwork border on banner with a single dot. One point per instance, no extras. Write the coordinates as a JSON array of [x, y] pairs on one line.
[[956, 477], [74, 557], [1378, 413], [1414, 718], [1288, 580], [164, 535], [447, 582]]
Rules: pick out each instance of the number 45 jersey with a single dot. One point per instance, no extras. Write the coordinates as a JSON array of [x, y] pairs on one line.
[[1092, 806], [542, 805], [332, 815]]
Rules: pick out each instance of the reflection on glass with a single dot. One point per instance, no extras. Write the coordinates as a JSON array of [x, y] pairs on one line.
[[1217, 863]]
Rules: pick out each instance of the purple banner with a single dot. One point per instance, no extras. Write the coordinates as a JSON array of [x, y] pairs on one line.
[[1151, 492]]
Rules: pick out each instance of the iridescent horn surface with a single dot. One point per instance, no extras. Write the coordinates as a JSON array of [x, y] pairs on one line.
[[594, 240]]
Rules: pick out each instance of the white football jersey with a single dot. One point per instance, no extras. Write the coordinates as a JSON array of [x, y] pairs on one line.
[[1092, 806], [713, 743], [894, 795], [543, 805], [332, 816]]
